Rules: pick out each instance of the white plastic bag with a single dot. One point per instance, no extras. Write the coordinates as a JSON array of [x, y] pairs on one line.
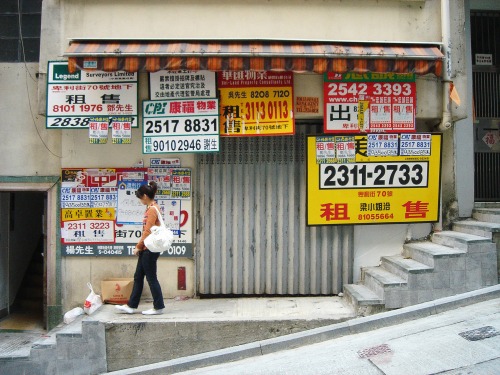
[[93, 301], [72, 314], [160, 238]]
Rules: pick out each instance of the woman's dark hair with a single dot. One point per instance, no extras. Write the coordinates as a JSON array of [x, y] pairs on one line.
[[149, 190]]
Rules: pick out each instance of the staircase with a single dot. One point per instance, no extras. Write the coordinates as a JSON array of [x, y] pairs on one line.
[[460, 260], [30, 295], [29, 298]]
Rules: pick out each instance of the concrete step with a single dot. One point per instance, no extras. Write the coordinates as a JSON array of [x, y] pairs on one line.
[[463, 241], [386, 285], [477, 228], [486, 204], [363, 299], [431, 254], [380, 280], [489, 214], [404, 267]]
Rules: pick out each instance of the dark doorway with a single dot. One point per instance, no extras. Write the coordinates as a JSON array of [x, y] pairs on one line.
[[22, 233]]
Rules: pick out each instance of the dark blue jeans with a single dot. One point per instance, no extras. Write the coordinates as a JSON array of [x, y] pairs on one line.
[[146, 266]]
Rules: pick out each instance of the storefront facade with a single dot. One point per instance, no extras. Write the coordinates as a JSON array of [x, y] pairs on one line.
[[247, 212]]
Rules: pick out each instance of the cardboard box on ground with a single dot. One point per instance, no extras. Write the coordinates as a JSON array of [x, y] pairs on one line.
[[116, 290]]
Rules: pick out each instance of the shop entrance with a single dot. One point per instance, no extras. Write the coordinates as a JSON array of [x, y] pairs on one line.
[[22, 265], [251, 233]]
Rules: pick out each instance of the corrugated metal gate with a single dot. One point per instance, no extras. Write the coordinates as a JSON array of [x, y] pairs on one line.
[[251, 233], [486, 92]]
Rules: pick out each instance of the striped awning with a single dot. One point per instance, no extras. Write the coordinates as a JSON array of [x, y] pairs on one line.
[[317, 57]]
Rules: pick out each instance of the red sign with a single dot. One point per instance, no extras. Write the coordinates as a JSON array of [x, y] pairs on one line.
[[369, 102]]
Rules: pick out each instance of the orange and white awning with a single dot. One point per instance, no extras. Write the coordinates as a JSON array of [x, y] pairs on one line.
[[297, 56]]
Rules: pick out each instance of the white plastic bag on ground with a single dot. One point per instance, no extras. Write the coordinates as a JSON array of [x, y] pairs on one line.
[[93, 301], [72, 314]]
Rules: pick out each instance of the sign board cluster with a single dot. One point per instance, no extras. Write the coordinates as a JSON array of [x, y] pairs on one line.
[[100, 214], [369, 166]]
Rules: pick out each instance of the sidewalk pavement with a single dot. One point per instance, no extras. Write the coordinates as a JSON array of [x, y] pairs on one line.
[[453, 335]]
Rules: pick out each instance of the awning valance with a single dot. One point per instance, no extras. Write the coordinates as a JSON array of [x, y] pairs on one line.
[[297, 56]]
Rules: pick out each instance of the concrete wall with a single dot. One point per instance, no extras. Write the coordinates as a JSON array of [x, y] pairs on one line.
[[28, 149], [367, 20]]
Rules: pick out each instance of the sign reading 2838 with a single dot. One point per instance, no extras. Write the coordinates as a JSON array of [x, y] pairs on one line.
[[374, 175]]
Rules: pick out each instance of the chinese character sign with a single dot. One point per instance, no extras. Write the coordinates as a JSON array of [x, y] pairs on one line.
[[384, 183], [73, 99], [180, 126], [369, 102], [256, 103], [181, 84], [101, 215]]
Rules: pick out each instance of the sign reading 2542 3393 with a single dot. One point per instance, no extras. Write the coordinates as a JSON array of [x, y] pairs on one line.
[[73, 99]]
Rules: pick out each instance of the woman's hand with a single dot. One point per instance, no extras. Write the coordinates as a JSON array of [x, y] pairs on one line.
[[136, 251]]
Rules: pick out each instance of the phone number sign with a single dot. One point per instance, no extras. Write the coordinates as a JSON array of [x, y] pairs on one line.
[[369, 102], [184, 125], [73, 99], [85, 231], [374, 189], [256, 103]]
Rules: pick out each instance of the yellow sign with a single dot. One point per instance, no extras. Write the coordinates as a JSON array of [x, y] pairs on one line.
[[376, 189], [71, 214], [256, 103]]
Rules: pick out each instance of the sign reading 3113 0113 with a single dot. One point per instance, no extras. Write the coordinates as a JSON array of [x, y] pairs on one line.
[[183, 125]]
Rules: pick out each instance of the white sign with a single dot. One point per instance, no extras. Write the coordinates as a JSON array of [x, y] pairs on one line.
[[98, 130], [121, 130], [184, 125], [182, 84], [84, 231], [484, 59], [415, 145], [74, 98], [382, 145]]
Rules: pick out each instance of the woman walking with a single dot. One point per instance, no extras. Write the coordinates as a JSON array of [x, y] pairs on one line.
[[146, 264]]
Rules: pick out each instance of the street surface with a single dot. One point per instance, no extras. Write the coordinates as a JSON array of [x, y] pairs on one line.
[[463, 341]]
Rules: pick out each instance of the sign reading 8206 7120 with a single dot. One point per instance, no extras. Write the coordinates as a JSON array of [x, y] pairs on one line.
[[73, 99]]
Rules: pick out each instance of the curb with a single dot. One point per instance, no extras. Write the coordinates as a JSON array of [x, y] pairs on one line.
[[312, 336]]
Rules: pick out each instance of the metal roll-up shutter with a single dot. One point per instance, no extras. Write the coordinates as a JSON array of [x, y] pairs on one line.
[[251, 233]]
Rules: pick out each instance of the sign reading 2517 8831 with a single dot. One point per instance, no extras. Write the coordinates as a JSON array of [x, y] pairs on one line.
[[73, 99], [183, 125]]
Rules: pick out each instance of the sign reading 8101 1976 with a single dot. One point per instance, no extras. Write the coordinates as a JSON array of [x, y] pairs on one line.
[[74, 99]]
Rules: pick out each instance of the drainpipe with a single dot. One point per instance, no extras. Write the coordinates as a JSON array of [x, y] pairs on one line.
[[446, 120]]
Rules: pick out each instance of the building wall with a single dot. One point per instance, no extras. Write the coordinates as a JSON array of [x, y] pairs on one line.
[[364, 20], [367, 20], [28, 149]]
